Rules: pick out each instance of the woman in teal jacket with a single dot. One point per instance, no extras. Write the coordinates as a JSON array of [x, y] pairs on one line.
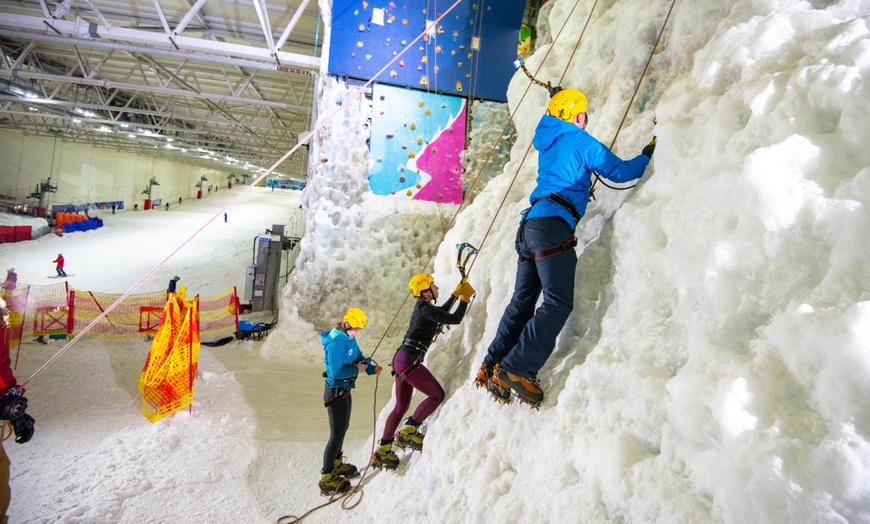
[[344, 361]]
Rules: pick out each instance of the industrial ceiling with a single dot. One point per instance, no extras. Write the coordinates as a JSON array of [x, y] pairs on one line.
[[228, 81]]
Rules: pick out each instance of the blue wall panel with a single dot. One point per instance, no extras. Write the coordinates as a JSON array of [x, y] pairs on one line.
[[368, 34]]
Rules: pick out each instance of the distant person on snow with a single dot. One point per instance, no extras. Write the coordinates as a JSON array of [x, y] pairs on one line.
[[344, 362], [225, 217], [59, 262], [11, 281], [567, 157], [13, 406], [172, 284], [408, 367]]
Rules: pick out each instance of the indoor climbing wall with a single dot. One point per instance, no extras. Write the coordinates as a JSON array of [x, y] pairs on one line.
[[417, 141], [469, 53]]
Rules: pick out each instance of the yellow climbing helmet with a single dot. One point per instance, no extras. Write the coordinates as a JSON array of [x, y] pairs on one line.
[[355, 318], [566, 104], [420, 283]]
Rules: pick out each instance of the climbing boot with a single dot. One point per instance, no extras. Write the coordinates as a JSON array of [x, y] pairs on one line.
[[331, 483], [484, 375], [343, 469], [527, 389], [385, 457], [498, 393], [410, 436]]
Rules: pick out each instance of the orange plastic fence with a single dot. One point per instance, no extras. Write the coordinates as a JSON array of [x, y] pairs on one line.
[[55, 309], [135, 315], [167, 379]]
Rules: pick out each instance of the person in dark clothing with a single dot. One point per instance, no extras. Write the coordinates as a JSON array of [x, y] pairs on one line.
[[344, 362], [545, 241], [408, 366], [13, 406], [172, 284], [11, 281]]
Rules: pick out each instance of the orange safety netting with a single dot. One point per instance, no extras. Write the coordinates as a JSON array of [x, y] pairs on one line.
[[166, 382], [138, 313], [219, 314], [48, 310], [37, 310], [16, 303]]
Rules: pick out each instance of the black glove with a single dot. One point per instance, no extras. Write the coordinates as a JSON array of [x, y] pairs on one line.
[[23, 427], [12, 406], [649, 148]]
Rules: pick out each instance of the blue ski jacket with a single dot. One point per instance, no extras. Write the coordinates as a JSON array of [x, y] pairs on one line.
[[341, 355], [567, 156]]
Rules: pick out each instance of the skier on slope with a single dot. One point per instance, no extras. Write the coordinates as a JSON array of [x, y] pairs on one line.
[[408, 366], [567, 157], [344, 361], [59, 262]]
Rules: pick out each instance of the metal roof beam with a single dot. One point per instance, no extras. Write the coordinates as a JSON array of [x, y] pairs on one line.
[[291, 25], [87, 42], [109, 84], [81, 29], [188, 16], [115, 112], [263, 15]]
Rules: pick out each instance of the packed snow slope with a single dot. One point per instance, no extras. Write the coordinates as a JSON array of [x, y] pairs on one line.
[[716, 367]]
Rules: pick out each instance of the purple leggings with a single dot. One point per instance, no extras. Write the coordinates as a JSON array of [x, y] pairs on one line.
[[420, 379]]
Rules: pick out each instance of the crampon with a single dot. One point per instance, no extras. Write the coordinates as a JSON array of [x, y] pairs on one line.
[[342, 486], [380, 463], [502, 385], [501, 395]]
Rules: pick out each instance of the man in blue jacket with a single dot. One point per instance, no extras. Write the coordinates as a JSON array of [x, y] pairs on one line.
[[567, 157]]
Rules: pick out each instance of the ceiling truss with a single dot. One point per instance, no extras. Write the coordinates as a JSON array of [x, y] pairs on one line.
[[228, 81]]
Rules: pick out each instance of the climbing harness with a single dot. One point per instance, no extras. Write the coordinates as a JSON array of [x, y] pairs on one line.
[[342, 392], [418, 349], [552, 251], [557, 199]]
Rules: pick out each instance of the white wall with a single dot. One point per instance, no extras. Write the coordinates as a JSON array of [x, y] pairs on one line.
[[83, 173]]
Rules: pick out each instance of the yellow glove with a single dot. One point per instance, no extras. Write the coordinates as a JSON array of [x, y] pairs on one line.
[[458, 291], [466, 292]]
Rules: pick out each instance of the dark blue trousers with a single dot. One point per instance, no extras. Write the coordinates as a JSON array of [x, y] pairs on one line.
[[525, 337]]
